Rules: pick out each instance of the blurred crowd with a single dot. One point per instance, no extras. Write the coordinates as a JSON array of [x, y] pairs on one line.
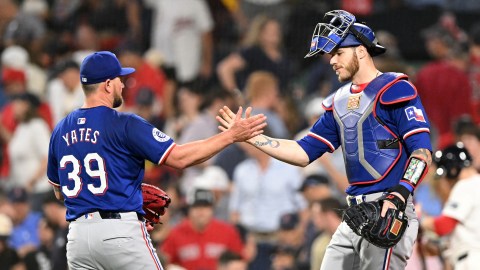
[[241, 209]]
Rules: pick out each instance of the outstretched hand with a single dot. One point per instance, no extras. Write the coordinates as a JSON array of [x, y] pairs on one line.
[[241, 128]]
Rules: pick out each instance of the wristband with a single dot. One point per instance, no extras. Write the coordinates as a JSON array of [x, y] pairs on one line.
[[415, 171]]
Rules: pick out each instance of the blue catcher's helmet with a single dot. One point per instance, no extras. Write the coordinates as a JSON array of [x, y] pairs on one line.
[[339, 30]]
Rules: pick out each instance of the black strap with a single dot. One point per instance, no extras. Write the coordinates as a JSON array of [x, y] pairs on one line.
[[388, 144], [461, 257], [370, 45]]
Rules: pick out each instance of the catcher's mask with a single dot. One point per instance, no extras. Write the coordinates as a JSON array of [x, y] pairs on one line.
[[339, 30], [451, 161]]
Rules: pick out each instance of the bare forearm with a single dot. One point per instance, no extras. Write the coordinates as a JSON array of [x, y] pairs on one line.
[[285, 150], [196, 152]]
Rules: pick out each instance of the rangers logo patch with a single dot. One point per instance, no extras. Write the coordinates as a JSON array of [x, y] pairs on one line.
[[396, 226], [160, 136], [414, 114], [353, 102]]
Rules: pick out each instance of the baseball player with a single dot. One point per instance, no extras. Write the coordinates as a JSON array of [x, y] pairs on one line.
[[96, 165], [378, 120], [460, 217]]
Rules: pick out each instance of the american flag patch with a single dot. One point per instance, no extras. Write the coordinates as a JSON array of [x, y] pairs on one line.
[[397, 225], [81, 121]]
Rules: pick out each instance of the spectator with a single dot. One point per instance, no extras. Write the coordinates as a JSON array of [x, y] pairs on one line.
[[200, 239], [263, 95], [203, 126], [231, 261], [327, 216], [145, 76], [8, 255], [40, 258], [316, 187], [189, 100], [283, 258], [55, 212], [444, 83], [261, 51], [264, 189], [182, 32], [17, 58], [24, 237], [277, 9], [474, 70], [65, 92], [292, 234], [215, 179], [22, 28], [28, 148]]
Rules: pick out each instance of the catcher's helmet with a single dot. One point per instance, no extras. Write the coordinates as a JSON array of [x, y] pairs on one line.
[[451, 160], [340, 29]]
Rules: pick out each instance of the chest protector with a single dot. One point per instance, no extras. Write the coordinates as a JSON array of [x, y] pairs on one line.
[[370, 149]]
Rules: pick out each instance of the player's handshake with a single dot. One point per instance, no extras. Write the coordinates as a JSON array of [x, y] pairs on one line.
[[242, 128]]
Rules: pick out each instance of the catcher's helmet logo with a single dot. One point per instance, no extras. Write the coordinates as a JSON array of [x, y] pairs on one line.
[[160, 136]]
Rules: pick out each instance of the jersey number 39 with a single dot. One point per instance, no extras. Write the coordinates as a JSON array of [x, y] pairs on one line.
[[74, 175]]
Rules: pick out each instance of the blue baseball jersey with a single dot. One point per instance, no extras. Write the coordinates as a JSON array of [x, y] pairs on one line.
[[405, 119], [97, 159]]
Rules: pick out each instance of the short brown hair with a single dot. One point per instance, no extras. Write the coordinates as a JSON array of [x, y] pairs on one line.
[[257, 82]]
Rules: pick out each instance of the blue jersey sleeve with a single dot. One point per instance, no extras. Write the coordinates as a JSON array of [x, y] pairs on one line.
[[52, 164], [147, 141], [408, 119], [323, 137]]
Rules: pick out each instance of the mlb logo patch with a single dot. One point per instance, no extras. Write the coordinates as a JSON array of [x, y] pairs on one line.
[[414, 114], [396, 226], [81, 121]]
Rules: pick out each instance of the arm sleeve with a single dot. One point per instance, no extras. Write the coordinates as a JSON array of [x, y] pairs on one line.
[[147, 141], [323, 137], [444, 225]]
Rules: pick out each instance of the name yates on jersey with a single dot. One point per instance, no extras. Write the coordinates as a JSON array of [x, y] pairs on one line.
[[81, 135]]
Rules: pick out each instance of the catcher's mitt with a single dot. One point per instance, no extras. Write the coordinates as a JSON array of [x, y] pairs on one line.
[[365, 220], [155, 200]]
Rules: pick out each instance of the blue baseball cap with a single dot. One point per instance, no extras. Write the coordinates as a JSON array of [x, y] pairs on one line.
[[100, 66]]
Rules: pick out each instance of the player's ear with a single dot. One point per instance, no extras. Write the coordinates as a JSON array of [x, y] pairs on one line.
[[361, 51], [108, 85]]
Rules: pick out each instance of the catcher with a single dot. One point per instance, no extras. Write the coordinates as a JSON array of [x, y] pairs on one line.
[[379, 121], [155, 201]]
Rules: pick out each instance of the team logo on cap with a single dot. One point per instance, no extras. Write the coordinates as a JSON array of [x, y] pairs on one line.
[[160, 136]]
